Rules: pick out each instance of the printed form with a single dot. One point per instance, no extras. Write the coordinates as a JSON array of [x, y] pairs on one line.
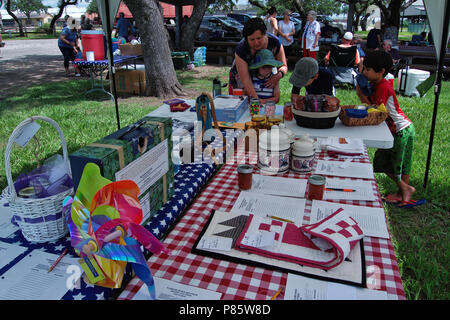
[[264, 205], [303, 288], [279, 186], [30, 279], [372, 221]]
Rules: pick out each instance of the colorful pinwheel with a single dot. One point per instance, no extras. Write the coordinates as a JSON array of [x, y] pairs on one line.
[[104, 222]]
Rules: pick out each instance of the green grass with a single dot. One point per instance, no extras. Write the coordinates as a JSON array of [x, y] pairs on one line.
[[420, 236]]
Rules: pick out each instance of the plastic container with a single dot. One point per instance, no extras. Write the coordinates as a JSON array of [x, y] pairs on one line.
[[93, 40], [274, 151], [390, 77], [302, 154], [407, 82]]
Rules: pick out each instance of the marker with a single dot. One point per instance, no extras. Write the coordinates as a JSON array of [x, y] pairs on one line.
[[58, 260], [338, 189]]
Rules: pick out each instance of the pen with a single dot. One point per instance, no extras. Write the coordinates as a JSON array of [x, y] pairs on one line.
[[58, 260], [338, 189], [280, 219]]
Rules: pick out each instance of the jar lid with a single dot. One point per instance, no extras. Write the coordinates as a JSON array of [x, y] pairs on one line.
[[274, 139], [316, 180], [245, 168], [303, 146]]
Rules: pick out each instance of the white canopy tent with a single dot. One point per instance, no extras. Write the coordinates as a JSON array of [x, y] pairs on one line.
[[438, 13]]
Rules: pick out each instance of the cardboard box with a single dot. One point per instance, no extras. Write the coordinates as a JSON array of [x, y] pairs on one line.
[[130, 81], [140, 152], [129, 49], [230, 108]]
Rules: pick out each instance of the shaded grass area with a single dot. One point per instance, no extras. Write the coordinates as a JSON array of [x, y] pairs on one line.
[[420, 235]]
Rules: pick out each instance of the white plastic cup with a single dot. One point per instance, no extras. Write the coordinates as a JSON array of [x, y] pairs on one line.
[[90, 56]]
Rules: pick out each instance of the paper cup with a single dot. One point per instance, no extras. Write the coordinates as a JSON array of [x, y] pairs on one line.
[[90, 56]]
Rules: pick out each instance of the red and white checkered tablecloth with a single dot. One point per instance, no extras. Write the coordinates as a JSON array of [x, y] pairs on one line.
[[239, 281]]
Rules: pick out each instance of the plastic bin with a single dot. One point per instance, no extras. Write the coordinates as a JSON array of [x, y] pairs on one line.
[[93, 40], [180, 59], [407, 82]]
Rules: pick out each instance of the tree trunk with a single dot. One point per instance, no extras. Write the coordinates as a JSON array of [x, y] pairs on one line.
[[350, 14], [159, 70], [62, 5], [189, 29], [8, 9]]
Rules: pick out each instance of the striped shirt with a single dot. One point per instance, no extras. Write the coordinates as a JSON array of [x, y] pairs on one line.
[[261, 90]]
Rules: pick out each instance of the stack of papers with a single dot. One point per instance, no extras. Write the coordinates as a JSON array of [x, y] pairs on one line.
[[345, 146]]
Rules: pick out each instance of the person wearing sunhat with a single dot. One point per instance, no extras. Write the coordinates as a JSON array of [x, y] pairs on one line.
[[261, 70], [315, 79]]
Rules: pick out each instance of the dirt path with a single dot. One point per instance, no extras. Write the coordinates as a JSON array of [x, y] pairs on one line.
[[25, 63]]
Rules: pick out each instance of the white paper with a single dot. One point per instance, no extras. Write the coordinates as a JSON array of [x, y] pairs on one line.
[[148, 168], [6, 227], [354, 170], [29, 279], [303, 288], [372, 221], [171, 290], [215, 243], [279, 186], [363, 190], [261, 239], [8, 252], [291, 209]]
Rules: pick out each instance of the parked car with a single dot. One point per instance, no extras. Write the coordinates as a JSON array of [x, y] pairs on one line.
[[339, 28], [240, 17], [297, 25], [219, 28]]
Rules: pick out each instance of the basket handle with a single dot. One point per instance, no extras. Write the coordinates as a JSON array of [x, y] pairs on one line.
[[11, 140]]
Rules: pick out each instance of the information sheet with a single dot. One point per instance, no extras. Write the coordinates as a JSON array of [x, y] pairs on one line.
[[303, 288], [8, 252], [340, 189], [171, 290], [372, 221], [279, 186], [289, 209], [345, 169], [30, 279]]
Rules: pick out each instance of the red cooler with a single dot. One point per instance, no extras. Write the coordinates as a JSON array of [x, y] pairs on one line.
[[92, 40]]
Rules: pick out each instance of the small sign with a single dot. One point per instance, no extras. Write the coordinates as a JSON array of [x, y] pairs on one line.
[[27, 133]]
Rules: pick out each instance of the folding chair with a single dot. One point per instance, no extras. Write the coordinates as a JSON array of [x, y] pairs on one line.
[[342, 64]]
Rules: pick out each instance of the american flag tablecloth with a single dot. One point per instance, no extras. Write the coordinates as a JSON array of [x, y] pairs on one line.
[[238, 281]]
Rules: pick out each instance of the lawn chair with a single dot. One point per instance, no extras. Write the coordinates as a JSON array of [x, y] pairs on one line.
[[342, 64]]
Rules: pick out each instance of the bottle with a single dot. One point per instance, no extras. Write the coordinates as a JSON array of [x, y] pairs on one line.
[[217, 88]]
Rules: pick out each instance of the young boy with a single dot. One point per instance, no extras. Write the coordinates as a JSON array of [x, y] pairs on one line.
[[263, 65], [395, 162]]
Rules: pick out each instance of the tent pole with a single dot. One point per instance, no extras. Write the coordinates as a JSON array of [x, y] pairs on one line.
[[437, 88], [111, 61]]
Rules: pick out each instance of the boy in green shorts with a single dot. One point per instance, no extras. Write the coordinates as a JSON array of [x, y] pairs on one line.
[[395, 162]]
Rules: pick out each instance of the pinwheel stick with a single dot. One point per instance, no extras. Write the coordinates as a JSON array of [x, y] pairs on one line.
[[91, 247]]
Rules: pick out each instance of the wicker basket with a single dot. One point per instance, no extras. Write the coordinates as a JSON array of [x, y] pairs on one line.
[[373, 118], [315, 120], [41, 219]]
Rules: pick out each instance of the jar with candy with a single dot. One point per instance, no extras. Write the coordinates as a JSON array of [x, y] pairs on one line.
[[254, 106], [270, 108], [287, 111]]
